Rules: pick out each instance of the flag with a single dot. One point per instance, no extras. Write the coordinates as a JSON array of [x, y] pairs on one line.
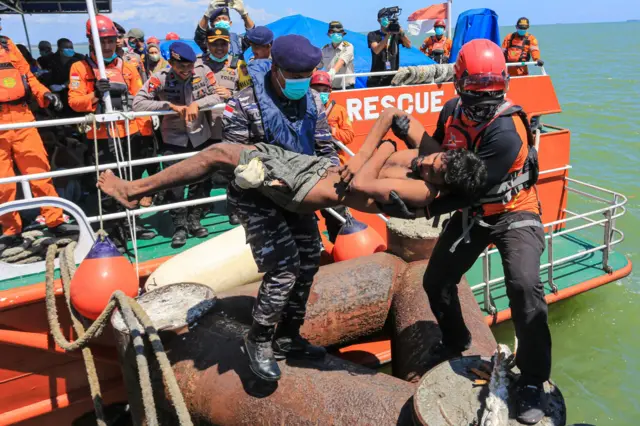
[[422, 21]]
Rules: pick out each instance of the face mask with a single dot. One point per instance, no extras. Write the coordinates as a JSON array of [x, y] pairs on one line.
[[384, 22], [154, 57], [336, 38], [224, 58], [324, 97], [439, 31], [295, 89], [111, 59], [223, 25], [125, 49], [68, 52], [521, 33], [132, 45]]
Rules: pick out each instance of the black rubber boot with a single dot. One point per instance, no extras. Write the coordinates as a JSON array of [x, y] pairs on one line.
[[195, 227], [143, 233], [531, 403], [440, 353], [65, 230], [179, 238], [8, 241], [290, 344], [258, 346]]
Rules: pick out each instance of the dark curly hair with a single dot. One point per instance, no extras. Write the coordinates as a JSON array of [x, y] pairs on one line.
[[465, 174]]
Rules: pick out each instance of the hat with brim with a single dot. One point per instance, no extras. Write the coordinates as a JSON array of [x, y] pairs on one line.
[[218, 34], [136, 33], [336, 26]]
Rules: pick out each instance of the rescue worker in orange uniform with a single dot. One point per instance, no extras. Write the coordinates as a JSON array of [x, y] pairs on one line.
[[520, 46], [24, 148], [341, 130], [438, 46], [86, 90]]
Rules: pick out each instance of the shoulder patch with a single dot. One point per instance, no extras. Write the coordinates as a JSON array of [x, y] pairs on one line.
[[230, 108], [346, 43], [211, 77], [154, 83]]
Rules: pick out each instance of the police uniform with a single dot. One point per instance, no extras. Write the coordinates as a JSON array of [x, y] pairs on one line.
[[286, 246], [166, 88]]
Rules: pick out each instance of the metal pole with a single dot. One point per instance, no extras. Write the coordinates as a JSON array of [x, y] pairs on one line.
[[97, 48], [607, 243], [553, 285], [486, 277], [26, 32], [449, 16]]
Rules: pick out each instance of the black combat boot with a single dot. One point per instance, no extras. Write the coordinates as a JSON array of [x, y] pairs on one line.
[[65, 230], [530, 403], [195, 227], [179, 238], [258, 346], [290, 344]]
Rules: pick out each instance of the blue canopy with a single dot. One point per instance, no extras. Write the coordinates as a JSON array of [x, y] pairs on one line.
[[164, 47], [316, 32], [473, 24]]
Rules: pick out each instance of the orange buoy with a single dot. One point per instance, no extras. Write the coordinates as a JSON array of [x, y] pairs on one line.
[[357, 239], [102, 272]]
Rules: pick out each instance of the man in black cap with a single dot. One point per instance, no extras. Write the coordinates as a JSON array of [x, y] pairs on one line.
[[185, 88], [385, 49], [280, 109], [338, 57], [46, 55], [218, 15]]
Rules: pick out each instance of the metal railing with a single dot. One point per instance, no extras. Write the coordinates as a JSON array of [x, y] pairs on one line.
[[612, 236], [344, 77]]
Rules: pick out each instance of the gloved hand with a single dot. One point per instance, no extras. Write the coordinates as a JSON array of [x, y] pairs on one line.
[[540, 62], [102, 87], [156, 122], [54, 101], [397, 207], [57, 87], [238, 6], [400, 126], [213, 5], [332, 73]]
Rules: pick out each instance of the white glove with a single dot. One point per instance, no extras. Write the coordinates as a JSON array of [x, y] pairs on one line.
[[238, 6], [156, 122], [250, 175], [332, 73], [213, 5]]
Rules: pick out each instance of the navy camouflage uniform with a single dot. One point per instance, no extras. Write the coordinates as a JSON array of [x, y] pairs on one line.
[[286, 246]]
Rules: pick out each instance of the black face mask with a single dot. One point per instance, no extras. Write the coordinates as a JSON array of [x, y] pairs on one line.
[[481, 106]]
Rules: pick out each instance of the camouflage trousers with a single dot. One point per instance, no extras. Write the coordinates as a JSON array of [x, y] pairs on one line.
[[286, 247]]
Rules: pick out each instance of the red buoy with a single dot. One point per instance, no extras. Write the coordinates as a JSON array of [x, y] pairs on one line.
[[357, 239], [102, 272]]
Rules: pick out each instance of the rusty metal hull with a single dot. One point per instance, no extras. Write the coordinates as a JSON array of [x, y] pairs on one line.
[[415, 329], [348, 300], [219, 388]]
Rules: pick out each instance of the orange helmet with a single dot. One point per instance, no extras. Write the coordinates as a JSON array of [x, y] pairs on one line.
[[106, 28], [153, 40], [440, 23], [481, 67], [172, 36], [322, 78]]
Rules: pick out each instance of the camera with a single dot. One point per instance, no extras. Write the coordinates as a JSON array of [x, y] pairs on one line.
[[393, 13]]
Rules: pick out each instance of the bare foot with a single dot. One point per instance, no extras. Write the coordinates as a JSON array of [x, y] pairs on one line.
[[112, 185]]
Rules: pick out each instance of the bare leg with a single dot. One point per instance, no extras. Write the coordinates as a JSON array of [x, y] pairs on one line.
[[217, 157]]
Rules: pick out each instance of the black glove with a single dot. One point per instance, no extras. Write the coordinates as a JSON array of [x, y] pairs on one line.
[[54, 101], [400, 126], [102, 87], [540, 63], [397, 208]]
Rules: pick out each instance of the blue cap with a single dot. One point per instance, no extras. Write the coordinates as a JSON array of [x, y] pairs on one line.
[[218, 12], [181, 52], [295, 53], [260, 36]]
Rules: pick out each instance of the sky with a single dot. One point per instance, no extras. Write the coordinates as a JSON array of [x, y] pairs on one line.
[[157, 17]]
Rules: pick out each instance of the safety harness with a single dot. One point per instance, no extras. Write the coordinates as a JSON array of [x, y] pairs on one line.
[[119, 89], [517, 51]]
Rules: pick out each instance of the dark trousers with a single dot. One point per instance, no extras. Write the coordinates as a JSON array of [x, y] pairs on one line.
[[520, 250], [286, 247]]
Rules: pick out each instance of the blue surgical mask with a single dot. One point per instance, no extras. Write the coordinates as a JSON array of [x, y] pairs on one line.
[[384, 22], [522, 33], [439, 31], [336, 38], [111, 59], [132, 44], [68, 52], [224, 58], [295, 88], [324, 97], [223, 25]]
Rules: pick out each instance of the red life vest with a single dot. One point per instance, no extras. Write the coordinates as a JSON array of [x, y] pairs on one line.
[[518, 49], [119, 92], [13, 85]]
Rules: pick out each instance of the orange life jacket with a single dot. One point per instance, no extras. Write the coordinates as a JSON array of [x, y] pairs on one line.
[[14, 88], [518, 49], [120, 99], [438, 45]]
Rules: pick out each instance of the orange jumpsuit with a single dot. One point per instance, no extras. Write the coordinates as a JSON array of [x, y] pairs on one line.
[[434, 43], [24, 147], [144, 123], [341, 129], [520, 49], [81, 92]]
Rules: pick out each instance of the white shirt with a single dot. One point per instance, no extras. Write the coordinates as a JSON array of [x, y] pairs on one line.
[[331, 55]]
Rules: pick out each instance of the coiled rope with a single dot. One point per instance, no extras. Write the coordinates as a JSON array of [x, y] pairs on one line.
[[139, 325], [423, 74]]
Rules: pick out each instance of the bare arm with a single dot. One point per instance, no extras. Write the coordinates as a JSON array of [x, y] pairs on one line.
[[404, 40], [378, 47]]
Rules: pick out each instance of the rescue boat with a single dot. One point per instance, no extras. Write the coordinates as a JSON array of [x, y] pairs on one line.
[[40, 383]]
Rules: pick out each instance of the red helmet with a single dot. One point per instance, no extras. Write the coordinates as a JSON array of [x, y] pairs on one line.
[[106, 28], [440, 23], [153, 40], [481, 67], [321, 77], [172, 36]]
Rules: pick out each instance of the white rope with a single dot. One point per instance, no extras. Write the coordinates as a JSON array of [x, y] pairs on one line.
[[132, 218], [92, 117]]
